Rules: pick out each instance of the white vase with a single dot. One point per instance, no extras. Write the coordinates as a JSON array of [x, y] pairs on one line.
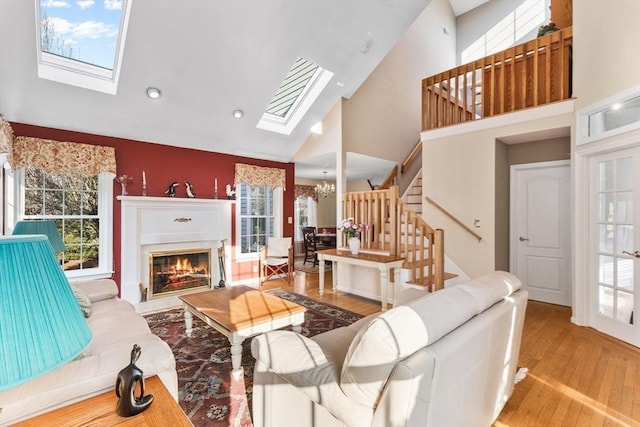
[[354, 245]]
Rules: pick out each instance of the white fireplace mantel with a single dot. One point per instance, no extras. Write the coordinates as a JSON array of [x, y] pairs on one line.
[[151, 224]]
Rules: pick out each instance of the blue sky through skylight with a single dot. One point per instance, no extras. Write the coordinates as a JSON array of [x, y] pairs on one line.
[[83, 30]]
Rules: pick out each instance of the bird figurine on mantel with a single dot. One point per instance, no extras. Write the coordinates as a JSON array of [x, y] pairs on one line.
[[171, 191], [190, 193]]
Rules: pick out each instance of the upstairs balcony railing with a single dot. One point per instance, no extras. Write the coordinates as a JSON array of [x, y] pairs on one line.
[[532, 74]]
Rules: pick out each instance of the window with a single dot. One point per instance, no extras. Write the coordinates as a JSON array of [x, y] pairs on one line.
[[613, 116], [81, 208], [260, 217], [301, 87], [81, 43], [306, 215]]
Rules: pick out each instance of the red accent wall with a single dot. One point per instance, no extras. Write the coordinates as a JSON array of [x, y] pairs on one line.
[[164, 164]]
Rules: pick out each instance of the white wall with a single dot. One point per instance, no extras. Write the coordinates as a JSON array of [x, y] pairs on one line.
[[383, 118], [459, 173], [606, 46]]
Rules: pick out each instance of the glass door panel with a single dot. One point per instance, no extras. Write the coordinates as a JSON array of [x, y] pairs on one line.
[[615, 235], [615, 195]]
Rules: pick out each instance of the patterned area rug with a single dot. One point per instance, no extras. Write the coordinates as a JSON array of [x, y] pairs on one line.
[[209, 394], [299, 265]]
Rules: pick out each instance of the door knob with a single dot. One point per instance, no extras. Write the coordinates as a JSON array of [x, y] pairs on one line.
[[635, 254], [523, 239]]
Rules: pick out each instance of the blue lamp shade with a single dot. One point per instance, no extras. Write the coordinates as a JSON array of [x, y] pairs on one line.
[[41, 325], [45, 227]]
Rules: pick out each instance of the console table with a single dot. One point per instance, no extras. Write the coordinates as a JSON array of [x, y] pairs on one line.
[[382, 262]]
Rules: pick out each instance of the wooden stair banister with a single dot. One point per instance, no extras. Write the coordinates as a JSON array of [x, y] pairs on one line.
[[456, 220], [411, 157], [396, 229]]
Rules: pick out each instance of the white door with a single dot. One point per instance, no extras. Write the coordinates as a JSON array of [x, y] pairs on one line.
[[540, 235], [614, 289]]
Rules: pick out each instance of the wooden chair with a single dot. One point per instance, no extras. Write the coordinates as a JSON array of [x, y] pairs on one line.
[[276, 260], [311, 245]]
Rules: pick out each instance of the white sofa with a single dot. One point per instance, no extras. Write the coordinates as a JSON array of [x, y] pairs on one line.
[[116, 327], [445, 359]]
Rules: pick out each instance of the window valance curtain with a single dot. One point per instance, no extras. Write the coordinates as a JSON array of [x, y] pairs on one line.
[[305, 191], [68, 158], [6, 139], [256, 176]]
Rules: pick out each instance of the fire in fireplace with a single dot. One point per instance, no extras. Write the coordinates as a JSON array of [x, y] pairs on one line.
[[181, 271]]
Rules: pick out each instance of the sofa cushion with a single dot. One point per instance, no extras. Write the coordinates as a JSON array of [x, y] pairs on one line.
[[394, 335], [83, 301], [98, 289], [313, 366], [491, 288], [399, 332]]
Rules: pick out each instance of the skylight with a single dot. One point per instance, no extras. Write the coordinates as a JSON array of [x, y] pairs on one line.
[[301, 87], [81, 41]]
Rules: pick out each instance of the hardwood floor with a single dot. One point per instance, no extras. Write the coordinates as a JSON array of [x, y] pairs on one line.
[[577, 376]]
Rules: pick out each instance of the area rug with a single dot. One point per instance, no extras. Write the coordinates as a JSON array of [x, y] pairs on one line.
[[208, 393], [299, 265]]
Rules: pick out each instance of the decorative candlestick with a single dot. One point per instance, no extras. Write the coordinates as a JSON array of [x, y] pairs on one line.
[[215, 188], [144, 184]]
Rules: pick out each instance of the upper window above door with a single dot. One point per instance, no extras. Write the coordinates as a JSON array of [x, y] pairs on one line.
[[612, 116]]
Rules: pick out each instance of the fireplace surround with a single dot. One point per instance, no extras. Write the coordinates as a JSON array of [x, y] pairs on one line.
[[166, 225]]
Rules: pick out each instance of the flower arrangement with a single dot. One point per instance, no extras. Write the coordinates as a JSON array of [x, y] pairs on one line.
[[351, 229], [123, 180]]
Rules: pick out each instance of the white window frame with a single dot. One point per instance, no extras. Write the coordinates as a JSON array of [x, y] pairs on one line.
[[80, 74], [14, 210], [583, 116], [278, 197]]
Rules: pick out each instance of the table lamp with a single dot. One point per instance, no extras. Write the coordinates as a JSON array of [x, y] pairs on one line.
[[46, 227], [41, 325]]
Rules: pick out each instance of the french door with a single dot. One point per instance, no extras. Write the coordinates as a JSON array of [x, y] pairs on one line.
[[614, 291]]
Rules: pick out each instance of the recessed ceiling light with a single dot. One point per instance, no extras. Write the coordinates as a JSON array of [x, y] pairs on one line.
[[153, 93], [238, 113]]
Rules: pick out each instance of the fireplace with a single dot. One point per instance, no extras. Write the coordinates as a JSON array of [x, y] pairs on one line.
[[179, 272], [164, 226]]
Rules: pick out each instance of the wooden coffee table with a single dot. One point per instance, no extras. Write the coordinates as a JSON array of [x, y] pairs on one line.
[[239, 312]]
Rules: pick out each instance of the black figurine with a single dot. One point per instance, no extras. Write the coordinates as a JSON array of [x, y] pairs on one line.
[[171, 191], [190, 192], [128, 404]]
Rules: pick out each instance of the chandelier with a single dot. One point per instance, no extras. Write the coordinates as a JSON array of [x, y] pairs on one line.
[[325, 189]]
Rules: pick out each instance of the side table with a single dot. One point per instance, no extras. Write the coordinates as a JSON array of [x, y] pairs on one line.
[[101, 411]]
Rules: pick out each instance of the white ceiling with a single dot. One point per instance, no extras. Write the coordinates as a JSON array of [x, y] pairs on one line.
[[210, 58]]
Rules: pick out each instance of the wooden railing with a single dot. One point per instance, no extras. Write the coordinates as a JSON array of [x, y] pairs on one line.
[[454, 219], [417, 149], [395, 229], [529, 75], [391, 179]]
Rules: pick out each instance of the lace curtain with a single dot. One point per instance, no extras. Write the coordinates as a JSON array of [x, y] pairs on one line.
[[256, 176], [305, 191], [68, 158]]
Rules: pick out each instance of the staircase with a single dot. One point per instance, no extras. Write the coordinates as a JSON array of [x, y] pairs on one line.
[[413, 196], [395, 229]]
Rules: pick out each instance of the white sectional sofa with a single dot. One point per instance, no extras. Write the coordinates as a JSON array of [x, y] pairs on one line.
[[116, 327], [447, 358]]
